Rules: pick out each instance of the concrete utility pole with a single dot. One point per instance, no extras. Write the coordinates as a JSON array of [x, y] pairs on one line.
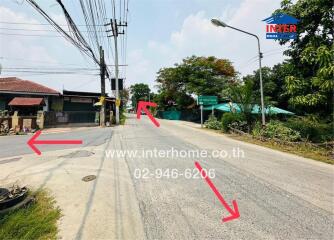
[[115, 32], [114, 28], [103, 88]]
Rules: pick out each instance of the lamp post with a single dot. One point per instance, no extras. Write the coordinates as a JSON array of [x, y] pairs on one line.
[[219, 23]]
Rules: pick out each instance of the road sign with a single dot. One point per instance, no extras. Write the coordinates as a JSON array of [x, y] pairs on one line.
[[207, 100]]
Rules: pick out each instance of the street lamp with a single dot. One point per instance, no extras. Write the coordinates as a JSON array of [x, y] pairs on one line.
[[219, 23]]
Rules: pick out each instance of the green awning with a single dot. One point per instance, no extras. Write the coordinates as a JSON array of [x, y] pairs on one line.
[[234, 107]]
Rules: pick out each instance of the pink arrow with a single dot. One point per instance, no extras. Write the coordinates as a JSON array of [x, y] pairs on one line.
[[142, 106], [234, 212], [32, 142]]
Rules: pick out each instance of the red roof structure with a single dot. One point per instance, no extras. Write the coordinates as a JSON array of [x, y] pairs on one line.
[[17, 85], [21, 101]]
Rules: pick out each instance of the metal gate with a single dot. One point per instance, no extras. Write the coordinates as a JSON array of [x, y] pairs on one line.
[[68, 117]]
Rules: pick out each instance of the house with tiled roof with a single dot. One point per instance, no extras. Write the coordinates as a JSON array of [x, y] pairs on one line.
[[25, 98], [25, 94]]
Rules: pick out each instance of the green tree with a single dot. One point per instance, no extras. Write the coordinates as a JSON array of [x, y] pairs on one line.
[[125, 96], [139, 91], [269, 85], [206, 75], [315, 90], [193, 76], [243, 94], [274, 88], [310, 86]]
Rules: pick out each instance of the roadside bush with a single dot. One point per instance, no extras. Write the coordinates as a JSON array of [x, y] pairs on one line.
[[213, 123], [122, 119], [257, 130], [311, 128], [231, 118], [276, 129]]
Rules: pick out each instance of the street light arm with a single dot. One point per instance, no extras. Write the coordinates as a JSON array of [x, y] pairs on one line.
[[252, 34]]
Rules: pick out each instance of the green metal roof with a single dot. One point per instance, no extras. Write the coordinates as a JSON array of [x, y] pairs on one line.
[[226, 107]]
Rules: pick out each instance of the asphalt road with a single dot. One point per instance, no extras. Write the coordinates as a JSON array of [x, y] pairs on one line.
[[280, 196], [17, 145]]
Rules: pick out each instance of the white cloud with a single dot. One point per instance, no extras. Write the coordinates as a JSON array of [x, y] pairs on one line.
[[21, 47], [197, 36], [139, 68]]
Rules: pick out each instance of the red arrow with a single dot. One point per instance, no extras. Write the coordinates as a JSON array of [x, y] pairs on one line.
[[234, 213], [32, 142], [142, 106]]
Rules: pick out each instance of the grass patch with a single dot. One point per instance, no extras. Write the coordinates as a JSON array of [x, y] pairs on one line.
[[36, 221], [303, 150]]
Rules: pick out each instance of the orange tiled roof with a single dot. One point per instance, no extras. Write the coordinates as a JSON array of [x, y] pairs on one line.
[[21, 101], [14, 84]]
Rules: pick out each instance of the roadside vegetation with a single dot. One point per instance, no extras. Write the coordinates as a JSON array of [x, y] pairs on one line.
[[36, 221], [302, 84], [122, 117], [303, 149], [303, 136]]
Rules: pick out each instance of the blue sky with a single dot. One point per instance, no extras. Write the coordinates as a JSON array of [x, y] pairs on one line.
[[160, 33]]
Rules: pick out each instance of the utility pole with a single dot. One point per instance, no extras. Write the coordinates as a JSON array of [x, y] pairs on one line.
[[115, 32], [114, 28], [103, 88], [263, 109]]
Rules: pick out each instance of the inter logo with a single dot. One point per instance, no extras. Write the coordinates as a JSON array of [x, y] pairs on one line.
[[281, 26]]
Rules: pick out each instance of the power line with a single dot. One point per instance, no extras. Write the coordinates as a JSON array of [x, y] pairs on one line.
[[38, 30], [52, 68], [77, 39], [88, 41], [39, 61], [49, 72], [91, 12], [42, 24], [33, 35]]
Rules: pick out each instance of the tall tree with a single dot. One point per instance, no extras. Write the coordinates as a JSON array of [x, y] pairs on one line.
[[139, 91], [310, 86], [193, 76], [206, 75], [274, 87]]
